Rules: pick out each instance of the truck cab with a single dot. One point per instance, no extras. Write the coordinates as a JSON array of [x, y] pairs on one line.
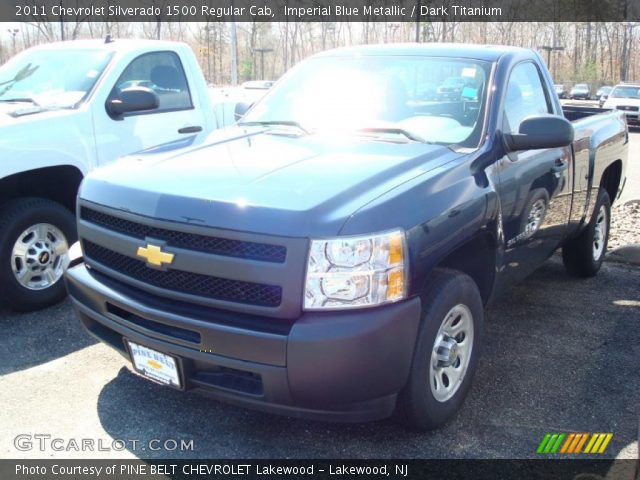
[[66, 108]]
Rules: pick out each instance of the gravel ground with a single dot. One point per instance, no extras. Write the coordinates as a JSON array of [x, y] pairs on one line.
[[625, 224], [625, 215]]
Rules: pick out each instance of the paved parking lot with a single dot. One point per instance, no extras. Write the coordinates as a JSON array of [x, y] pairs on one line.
[[560, 355]]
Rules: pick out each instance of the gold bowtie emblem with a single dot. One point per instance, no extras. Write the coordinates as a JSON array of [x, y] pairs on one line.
[[154, 255]]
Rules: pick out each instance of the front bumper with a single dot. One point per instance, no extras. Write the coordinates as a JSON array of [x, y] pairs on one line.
[[340, 366]]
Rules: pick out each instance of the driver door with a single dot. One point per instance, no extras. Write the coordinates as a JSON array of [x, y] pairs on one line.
[[535, 185], [174, 119]]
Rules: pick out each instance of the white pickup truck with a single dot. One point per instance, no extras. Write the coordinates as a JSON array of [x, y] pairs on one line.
[[66, 108]]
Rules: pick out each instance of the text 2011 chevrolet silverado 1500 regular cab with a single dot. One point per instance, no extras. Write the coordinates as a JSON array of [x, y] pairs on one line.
[[330, 255], [61, 115]]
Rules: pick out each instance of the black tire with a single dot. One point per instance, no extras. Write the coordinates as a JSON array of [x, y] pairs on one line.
[[578, 254], [15, 217], [417, 405]]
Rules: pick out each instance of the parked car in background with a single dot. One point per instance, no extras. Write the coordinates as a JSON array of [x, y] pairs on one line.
[[626, 97], [226, 99], [560, 90], [330, 256], [254, 90], [580, 91], [258, 84], [66, 108], [602, 94]]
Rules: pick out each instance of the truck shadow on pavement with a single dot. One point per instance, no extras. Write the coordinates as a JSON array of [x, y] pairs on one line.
[[31, 339], [560, 355]]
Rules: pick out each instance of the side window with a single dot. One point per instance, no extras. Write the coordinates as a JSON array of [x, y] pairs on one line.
[[525, 96], [163, 73]]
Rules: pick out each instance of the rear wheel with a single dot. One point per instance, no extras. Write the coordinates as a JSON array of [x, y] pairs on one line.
[[446, 353], [35, 235], [583, 256]]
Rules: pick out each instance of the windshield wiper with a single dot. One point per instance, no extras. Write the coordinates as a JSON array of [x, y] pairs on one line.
[[20, 100], [266, 123], [394, 131]]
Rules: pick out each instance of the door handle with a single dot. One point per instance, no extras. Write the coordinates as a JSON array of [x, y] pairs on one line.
[[193, 129], [559, 165]]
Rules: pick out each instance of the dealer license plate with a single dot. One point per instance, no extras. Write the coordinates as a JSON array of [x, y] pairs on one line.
[[154, 365]]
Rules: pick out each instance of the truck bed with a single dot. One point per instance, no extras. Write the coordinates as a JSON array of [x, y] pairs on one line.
[[574, 113]]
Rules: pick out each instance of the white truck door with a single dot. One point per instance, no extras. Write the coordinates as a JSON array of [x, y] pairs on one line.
[[176, 118]]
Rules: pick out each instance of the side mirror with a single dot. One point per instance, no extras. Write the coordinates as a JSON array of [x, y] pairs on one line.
[[241, 109], [134, 99], [544, 131]]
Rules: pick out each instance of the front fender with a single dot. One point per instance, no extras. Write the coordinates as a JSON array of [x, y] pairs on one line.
[[46, 140], [440, 211]]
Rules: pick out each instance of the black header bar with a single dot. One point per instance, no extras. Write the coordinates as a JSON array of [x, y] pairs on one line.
[[320, 10], [548, 469]]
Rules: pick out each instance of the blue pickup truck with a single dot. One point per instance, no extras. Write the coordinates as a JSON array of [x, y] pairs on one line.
[[330, 256]]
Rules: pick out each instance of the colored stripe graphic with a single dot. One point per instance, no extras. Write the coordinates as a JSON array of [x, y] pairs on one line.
[[581, 442], [598, 442], [573, 443], [592, 441], [550, 443], [606, 441], [555, 447], [577, 443], [568, 442], [543, 443]]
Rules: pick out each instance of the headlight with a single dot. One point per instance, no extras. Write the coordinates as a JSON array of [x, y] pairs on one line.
[[352, 272]]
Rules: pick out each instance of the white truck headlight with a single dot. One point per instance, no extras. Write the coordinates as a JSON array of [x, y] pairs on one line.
[[353, 272]]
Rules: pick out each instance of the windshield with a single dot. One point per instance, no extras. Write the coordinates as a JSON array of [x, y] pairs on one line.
[[52, 78], [385, 95], [453, 82], [580, 86], [630, 91]]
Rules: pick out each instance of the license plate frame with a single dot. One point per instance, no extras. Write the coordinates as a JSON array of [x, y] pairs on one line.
[[167, 370]]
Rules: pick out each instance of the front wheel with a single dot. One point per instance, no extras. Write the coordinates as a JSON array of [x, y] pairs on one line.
[[446, 353], [583, 256], [35, 235]]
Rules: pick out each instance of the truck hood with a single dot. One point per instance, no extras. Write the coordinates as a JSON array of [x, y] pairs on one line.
[[262, 181], [20, 113], [8, 112]]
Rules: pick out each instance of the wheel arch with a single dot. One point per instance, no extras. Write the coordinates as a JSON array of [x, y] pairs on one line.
[[476, 257], [611, 178], [59, 183]]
